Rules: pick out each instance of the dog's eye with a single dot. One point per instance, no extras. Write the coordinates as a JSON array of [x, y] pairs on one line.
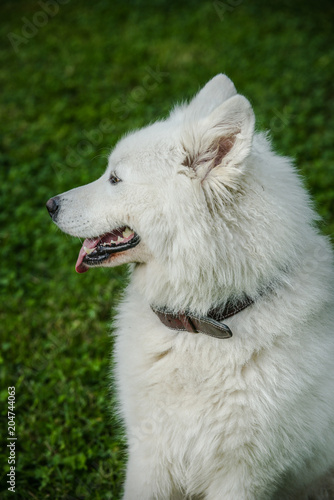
[[113, 179]]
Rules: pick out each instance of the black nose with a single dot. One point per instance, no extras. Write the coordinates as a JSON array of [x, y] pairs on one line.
[[53, 206]]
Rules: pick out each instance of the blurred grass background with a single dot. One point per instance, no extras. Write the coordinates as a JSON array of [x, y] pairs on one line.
[[73, 80]]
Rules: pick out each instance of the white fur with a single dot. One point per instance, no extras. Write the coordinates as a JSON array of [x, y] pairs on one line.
[[219, 214]]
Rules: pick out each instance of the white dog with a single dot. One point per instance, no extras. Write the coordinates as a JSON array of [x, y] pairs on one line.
[[221, 233]]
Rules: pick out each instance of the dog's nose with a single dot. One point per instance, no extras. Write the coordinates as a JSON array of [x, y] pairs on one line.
[[53, 206]]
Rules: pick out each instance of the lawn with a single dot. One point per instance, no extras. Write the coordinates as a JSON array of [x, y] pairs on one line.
[[75, 76]]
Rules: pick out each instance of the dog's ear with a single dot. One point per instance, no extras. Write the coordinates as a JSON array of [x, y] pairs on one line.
[[216, 146], [213, 94]]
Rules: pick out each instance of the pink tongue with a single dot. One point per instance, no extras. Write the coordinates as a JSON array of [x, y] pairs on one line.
[[80, 267]]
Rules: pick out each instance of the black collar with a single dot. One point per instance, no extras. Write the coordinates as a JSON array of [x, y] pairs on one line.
[[211, 324]]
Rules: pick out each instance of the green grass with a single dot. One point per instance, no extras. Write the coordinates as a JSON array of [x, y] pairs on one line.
[[67, 95]]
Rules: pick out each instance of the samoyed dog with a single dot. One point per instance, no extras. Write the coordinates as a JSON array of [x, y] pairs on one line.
[[225, 336]]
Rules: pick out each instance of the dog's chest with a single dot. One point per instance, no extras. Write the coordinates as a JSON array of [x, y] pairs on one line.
[[182, 383], [183, 400]]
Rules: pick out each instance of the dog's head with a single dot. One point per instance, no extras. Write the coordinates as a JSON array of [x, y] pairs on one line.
[[195, 195], [154, 174]]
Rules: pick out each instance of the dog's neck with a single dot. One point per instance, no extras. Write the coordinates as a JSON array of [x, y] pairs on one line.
[[165, 294], [211, 324]]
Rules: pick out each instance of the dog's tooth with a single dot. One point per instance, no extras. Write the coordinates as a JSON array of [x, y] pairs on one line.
[[127, 232], [89, 250], [119, 239]]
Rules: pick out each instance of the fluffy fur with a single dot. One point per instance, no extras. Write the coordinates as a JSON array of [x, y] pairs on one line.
[[219, 214]]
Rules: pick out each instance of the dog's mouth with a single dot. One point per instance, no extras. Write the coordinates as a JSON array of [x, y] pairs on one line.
[[95, 251]]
